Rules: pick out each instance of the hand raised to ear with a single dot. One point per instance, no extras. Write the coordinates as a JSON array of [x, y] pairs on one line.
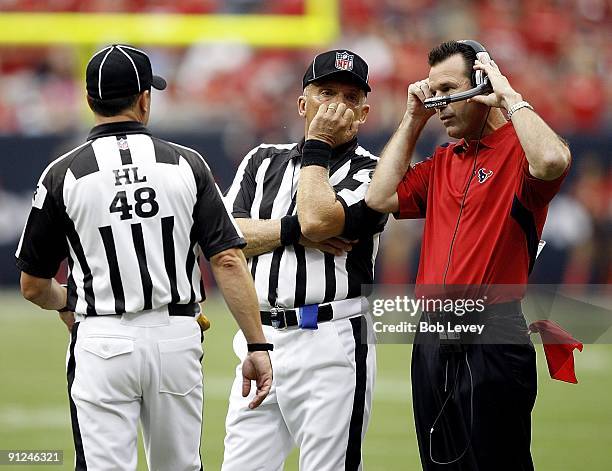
[[503, 95]]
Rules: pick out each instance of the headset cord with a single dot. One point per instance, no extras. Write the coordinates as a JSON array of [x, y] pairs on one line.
[[450, 394], [467, 362], [467, 187]]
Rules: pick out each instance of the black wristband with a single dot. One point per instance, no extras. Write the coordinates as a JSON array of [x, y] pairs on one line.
[[260, 347], [316, 152], [290, 231]]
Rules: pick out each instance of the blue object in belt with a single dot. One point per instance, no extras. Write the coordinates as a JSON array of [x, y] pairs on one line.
[[308, 317], [281, 318]]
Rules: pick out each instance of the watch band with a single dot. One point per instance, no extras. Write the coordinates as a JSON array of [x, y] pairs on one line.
[[260, 347], [517, 106]]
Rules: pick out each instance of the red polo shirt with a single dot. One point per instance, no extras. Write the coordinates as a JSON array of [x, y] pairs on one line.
[[496, 239]]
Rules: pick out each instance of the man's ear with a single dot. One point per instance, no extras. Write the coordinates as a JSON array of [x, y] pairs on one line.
[[365, 109], [89, 102], [144, 102], [302, 106]]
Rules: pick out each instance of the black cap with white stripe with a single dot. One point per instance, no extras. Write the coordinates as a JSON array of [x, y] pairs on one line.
[[119, 71], [339, 62]]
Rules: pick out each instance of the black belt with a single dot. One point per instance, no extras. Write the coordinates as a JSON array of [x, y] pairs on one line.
[[455, 342], [280, 318], [186, 310]]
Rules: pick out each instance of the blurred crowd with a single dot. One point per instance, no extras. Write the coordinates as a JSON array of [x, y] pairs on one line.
[[156, 6], [556, 53]]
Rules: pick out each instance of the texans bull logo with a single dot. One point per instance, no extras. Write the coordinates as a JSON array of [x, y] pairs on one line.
[[483, 175]]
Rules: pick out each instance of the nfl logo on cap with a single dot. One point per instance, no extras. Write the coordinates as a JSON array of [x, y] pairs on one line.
[[341, 63], [344, 61]]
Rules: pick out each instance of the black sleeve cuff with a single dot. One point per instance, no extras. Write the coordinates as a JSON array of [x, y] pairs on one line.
[[361, 221], [291, 231], [236, 243], [30, 269], [316, 152]]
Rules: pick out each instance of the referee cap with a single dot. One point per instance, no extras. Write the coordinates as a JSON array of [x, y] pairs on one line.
[[340, 62], [119, 71]]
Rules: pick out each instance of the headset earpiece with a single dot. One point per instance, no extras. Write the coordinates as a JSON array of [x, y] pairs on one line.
[[480, 82], [478, 76]]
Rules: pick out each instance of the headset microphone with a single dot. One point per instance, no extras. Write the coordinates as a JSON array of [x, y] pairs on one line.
[[480, 81]]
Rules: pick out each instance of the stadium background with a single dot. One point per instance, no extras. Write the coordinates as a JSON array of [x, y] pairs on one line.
[[234, 69]]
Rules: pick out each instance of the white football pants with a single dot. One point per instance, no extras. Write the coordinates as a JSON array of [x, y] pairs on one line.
[[137, 366], [320, 401]]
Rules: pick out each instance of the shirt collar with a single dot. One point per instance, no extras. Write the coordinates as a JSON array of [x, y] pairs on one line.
[[490, 140], [113, 129]]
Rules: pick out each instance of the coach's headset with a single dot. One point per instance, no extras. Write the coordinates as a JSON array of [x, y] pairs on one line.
[[480, 81]]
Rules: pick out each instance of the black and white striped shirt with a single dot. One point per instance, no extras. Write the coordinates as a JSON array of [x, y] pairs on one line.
[[265, 187], [132, 213]]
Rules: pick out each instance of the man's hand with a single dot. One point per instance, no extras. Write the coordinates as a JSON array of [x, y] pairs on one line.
[[257, 367], [67, 318], [397, 154], [503, 95], [417, 93], [334, 124], [334, 245]]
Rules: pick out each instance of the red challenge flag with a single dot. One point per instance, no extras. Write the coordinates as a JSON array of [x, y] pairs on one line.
[[559, 348]]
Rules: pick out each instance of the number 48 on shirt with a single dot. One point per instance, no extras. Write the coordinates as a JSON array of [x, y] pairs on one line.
[[144, 205]]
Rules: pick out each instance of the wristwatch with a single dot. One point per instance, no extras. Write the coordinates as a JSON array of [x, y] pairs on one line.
[[517, 106]]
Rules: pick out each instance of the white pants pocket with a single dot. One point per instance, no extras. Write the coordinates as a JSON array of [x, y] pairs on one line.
[[107, 347], [345, 340], [104, 370], [179, 363]]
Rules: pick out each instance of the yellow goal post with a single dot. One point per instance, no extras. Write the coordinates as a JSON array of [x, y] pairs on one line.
[[319, 25]]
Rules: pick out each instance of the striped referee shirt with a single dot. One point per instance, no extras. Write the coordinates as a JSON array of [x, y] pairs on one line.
[[265, 187], [132, 213]]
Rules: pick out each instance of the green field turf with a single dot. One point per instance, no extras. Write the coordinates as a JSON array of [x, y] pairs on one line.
[[572, 423]]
